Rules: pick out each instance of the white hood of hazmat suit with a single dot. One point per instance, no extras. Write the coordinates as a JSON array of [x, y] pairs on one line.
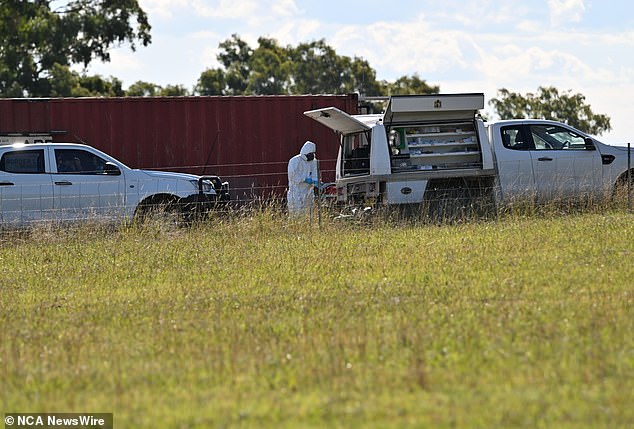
[[300, 194]]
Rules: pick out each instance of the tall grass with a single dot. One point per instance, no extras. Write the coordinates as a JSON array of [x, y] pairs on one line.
[[524, 321]]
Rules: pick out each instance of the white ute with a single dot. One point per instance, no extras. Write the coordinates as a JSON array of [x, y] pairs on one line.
[[67, 182], [436, 149]]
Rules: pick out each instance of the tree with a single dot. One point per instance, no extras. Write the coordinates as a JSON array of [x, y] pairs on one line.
[[142, 89], [236, 58], [211, 82], [316, 69], [268, 69], [548, 103], [309, 68], [39, 36], [96, 86], [147, 89], [173, 91], [363, 78], [406, 85], [67, 83]]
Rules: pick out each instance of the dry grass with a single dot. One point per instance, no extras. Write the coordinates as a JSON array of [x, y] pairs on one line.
[[523, 321]]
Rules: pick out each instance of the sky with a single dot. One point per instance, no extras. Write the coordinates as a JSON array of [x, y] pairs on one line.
[[585, 46]]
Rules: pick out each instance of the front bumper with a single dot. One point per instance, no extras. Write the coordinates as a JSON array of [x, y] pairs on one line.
[[221, 188]]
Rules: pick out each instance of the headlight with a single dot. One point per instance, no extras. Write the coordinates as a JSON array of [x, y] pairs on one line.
[[207, 186]]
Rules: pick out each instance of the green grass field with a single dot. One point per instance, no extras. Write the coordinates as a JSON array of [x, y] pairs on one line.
[[525, 321]]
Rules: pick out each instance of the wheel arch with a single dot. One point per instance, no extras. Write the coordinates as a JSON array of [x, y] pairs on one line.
[[622, 178], [156, 200], [620, 185]]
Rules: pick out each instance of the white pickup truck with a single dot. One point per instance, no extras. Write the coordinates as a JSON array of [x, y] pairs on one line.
[[45, 181], [435, 149]]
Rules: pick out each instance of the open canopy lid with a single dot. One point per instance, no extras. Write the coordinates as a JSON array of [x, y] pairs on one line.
[[342, 122], [411, 108]]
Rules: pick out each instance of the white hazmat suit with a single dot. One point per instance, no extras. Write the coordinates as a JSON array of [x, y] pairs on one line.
[[302, 177]]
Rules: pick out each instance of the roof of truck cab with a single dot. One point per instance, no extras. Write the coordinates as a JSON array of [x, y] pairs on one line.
[[504, 122]]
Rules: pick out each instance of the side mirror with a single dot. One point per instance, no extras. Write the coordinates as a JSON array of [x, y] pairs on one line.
[[111, 169], [589, 144]]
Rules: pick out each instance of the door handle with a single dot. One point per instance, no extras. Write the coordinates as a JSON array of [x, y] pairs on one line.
[[64, 183], [6, 183], [545, 158]]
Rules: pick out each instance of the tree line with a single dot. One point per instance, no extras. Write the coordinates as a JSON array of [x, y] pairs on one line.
[[41, 40]]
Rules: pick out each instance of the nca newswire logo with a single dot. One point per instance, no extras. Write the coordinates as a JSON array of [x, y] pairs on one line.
[[58, 420]]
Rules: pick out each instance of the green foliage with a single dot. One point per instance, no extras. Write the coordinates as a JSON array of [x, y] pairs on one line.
[[235, 57], [142, 89], [269, 69], [173, 91], [66, 83], [406, 85], [38, 39], [211, 82], [97, 86], [362, 77], [147, 89], [317, 69], [261, 322], [548, 103], [309, 68]]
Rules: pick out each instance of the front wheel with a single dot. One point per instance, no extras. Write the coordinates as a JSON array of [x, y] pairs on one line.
[[166, 212]]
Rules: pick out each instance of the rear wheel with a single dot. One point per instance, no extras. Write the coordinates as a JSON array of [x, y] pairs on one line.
[[619, 194], [459, 199]]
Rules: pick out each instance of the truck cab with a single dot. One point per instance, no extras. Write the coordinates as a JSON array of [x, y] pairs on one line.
[[420, 146], [541, 160]]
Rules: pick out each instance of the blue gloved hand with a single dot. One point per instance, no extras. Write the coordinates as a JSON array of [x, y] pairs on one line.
[[309, 180]]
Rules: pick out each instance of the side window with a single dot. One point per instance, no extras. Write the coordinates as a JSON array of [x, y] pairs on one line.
[[78, 161], [552, 137], [513, 138], [23, 162]]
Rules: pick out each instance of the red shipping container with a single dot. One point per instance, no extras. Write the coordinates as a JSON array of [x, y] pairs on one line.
[[247, 140]]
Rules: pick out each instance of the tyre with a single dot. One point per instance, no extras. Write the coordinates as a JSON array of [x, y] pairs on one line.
[[160, 211], [620, 191]]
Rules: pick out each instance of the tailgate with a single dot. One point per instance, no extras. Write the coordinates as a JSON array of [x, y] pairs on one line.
[[338, 120]]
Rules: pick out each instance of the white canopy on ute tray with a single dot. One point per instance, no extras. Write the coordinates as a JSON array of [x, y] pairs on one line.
[[433, 107], [342, 122]]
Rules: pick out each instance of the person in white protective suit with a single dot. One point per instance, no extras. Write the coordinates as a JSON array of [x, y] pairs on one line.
[[302, 178]]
